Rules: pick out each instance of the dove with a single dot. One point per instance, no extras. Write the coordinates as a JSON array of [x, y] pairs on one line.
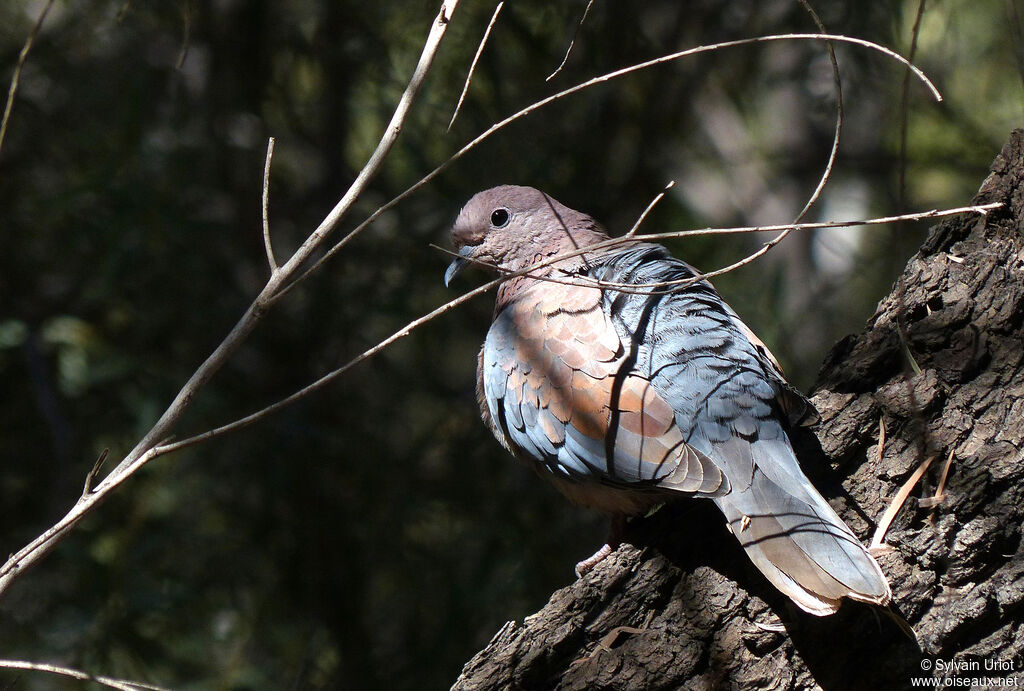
[[625, 385]]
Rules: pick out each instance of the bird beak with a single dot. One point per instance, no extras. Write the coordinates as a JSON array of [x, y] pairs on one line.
[[457, 265]]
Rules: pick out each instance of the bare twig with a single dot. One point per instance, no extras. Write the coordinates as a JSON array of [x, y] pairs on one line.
[[646, 287], [144, 450], [472, 65], [529, 271], [266, 203], [572, 41], [901, 201], [586, 85], [91, 477], [666, 286], [901, 204], [121, 684], [16, 78], [833, 152], [333, 374], [650, 207]]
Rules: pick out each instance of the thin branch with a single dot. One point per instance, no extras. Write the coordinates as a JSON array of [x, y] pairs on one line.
[[472, 65], [266, 203], [901, 204], [333, 374], [256, 310], [922, 215], [651, 288], [91, 477], [580, 87], [121, 684], [826, 173], [143, 452], [572, 41], [650, 207], [531, 271], [22, 57]]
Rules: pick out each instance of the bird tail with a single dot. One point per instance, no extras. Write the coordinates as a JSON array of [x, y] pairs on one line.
[[793, 536]]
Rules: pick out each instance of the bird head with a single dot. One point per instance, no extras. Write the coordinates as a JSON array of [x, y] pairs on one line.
[[510, 228]]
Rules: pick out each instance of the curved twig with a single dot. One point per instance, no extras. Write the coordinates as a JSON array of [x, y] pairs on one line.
[[650, 207], [476, 59], [267, 245], [572, 41], [837, 80], [580, 87], [826, 173]]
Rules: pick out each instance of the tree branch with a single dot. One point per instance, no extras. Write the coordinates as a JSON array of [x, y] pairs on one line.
[[266, 203], [530, 271], [572, 41], [472, 65], [120, 684], [586, 85], [281, 281], [16, 78], [144, 450]]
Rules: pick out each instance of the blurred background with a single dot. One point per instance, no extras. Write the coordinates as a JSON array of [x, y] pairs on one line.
[[374, 535]]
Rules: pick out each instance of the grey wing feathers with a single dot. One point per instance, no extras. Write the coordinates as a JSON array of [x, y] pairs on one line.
[[730, 399]]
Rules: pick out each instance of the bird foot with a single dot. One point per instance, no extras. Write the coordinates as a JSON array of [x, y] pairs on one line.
[[593, 560], [616, 529]]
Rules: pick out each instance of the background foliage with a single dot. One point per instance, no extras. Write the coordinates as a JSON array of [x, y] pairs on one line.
[[375, 535]]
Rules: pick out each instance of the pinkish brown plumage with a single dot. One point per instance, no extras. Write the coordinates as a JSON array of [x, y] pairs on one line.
[[623, 399]]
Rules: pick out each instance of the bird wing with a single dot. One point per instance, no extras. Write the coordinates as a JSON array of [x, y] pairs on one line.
[[731, 406], [557, 386]]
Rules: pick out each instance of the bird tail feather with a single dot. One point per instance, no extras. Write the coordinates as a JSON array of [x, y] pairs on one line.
[[795, 538]]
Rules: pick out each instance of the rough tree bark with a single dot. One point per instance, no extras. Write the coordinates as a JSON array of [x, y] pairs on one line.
[[941, 364]]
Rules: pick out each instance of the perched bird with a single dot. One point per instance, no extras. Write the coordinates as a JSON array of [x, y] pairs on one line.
[[624, 394]]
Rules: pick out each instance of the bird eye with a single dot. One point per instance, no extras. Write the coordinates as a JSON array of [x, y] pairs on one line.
[[500, 218]]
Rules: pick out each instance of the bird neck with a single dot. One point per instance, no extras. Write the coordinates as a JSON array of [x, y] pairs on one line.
[[582, 235], [511, 290]]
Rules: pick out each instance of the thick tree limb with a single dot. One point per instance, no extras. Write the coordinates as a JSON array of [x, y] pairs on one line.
[[709, 620]]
